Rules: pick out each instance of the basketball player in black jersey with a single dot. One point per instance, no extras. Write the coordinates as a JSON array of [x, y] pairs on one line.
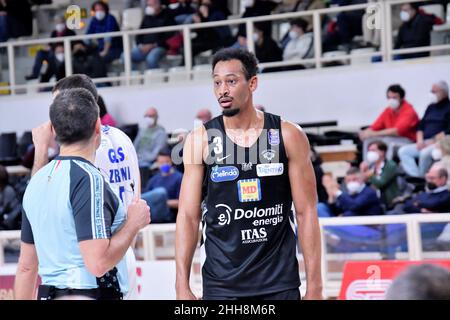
[[243, 171]]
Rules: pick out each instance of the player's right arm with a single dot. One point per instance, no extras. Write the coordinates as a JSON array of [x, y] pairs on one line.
[[189, 212]]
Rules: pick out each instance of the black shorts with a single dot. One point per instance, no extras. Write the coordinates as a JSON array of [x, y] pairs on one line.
[[291, 294]]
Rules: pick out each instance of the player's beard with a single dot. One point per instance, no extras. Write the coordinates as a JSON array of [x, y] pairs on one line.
[[231, 112]]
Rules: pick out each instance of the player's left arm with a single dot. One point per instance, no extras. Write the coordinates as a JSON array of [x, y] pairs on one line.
[[304, 195]]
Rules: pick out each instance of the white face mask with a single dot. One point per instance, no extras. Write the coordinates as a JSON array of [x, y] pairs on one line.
[[433, 98], [372, 157], [255, 37], [436, 154], [393, 103], [293, 34], [249, 3], [404, 16], [147, 122], [150, 11], [59, 56], [353, 187], [59, 27], [100, 15]]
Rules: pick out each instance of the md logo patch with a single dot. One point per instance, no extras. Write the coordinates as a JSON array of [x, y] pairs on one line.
[[274, 137], [269, 169], [249, 190], [221, 174]]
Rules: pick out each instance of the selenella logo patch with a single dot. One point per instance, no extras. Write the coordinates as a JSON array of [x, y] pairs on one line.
[[269, 169]]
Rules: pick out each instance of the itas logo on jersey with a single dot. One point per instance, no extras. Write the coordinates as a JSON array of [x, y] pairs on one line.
[[253, 235], [269, 169], [221, 174], [249, 190], [274, 137]]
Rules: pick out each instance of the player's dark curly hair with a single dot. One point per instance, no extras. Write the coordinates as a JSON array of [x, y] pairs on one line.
[[248, 60]]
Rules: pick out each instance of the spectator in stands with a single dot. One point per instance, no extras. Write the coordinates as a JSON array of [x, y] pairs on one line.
[[301, 45], [396, 126], [358, 199], [301, 5], [150, 140], [183, 12], [211, 38], [414, 32], [86, 60], [169, 180], [266, 49], [443, 153], [435, 198], [152, 47], [381, 173], [204, 115], [45, 54], [347, 25], [421, 282], [109, 48], [16, 19], [255, 8], [105, 118], [55, 66], [432, 127], [316, 161], [9, 203]]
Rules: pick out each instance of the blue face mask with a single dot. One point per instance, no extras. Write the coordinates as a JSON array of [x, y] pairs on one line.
[[165, 168]]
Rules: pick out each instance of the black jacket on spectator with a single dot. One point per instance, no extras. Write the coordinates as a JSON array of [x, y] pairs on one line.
[[436, 119], [269, 51], [186, 8], [163, 19], [415, 33], [438, 202], [260, 8], [19, 17]]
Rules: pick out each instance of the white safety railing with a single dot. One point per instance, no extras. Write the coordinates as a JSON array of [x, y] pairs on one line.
[[386, 51], [331, 284]]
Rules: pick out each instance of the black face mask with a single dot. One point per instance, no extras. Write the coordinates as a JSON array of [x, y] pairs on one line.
[[431, 186]]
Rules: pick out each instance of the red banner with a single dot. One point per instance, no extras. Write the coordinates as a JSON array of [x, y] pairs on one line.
[[369, 280]]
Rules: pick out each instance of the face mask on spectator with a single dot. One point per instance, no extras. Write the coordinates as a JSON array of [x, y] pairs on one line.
[[404, 16], [372, 157], [436, 154], [393, 103], [100, 15], [59, 27], [249, 3], [150, 11], [433, 98], [430, 186], [59, 56], [353, 187], [255, 37], [165, 168], [147, 122], [293, 34]]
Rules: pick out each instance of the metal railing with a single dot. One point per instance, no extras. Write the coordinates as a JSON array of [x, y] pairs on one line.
[[386, 51], [331, 285]]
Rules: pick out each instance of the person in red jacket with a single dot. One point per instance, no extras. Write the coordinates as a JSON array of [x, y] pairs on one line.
[[396, 126]]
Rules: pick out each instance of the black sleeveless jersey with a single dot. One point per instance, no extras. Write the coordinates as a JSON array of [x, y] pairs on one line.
[[248, 243]]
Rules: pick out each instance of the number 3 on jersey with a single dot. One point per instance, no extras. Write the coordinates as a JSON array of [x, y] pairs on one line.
[[218, 145]]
